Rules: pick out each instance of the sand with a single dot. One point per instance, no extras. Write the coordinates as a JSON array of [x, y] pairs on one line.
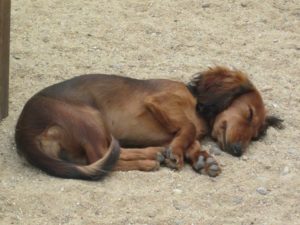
[[55, 40]]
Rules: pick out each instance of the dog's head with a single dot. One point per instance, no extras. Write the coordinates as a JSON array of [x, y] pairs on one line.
[[233, 107]]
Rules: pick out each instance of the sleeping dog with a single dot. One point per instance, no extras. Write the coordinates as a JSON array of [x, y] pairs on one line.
[[85, 127]]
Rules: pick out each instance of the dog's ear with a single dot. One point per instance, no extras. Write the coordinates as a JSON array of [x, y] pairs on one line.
[[216, 88], [270, 121], [274, 121]]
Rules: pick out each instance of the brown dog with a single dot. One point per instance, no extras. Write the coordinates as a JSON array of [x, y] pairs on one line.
[[74, 129]]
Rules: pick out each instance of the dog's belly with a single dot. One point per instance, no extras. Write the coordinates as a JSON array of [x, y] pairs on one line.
[[141, 135], [139, 131], [141, 140]]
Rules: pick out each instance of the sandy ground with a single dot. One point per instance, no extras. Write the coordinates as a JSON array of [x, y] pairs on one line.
[[54, 40]]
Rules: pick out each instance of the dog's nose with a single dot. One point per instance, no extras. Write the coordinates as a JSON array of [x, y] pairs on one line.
[[235, 149]]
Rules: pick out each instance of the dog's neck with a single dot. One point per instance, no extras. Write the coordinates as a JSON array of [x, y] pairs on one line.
[[192, 89], [208, 112]]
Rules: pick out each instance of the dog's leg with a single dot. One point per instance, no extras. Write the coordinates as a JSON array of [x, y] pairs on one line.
[[168, 109], [149, 153], [144, 159], [142, 165], [174, 154], [201, 161]]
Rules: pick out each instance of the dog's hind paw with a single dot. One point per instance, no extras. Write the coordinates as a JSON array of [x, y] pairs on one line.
[[172, 160], [160, 157], [207, 165]]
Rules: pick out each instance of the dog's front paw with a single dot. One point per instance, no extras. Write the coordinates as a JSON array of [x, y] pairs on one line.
[[206, 164], [173, 160]]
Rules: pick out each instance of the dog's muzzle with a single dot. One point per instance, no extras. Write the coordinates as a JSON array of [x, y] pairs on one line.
[[235, 149]]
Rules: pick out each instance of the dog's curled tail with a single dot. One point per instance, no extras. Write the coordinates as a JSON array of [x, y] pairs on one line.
[[61, 168], [100, 168]]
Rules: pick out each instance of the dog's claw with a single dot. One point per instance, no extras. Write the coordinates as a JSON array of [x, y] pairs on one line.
[[169, 154], [200, 163], [213, 170], [171, 160], [160, 157]]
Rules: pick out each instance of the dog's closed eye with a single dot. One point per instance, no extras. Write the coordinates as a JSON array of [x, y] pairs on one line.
[[250, 115]]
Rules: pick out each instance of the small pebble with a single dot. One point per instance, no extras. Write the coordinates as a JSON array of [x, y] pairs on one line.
[[178, 222], [178, 205], [268, 167], [177, 191], [151, 214], [45, 39], [266, 88], [237, 200], [262, 190], [205, 5], [16, 57], [292, 151], [245, 158], [243, 4], [285, 171]]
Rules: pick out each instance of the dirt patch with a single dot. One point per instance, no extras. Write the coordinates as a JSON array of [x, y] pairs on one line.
[[55, 40]]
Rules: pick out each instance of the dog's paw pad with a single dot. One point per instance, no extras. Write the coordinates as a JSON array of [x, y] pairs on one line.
[[213, 170], [207, 166]]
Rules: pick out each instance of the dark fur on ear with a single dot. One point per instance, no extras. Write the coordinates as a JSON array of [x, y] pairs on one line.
[[274, 121], [271, 121], [216, 88]]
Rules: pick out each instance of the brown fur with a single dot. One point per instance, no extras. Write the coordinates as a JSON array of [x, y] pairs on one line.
[[86, 126]]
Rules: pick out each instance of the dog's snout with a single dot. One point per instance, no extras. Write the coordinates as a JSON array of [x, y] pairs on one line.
[[235, 149]]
